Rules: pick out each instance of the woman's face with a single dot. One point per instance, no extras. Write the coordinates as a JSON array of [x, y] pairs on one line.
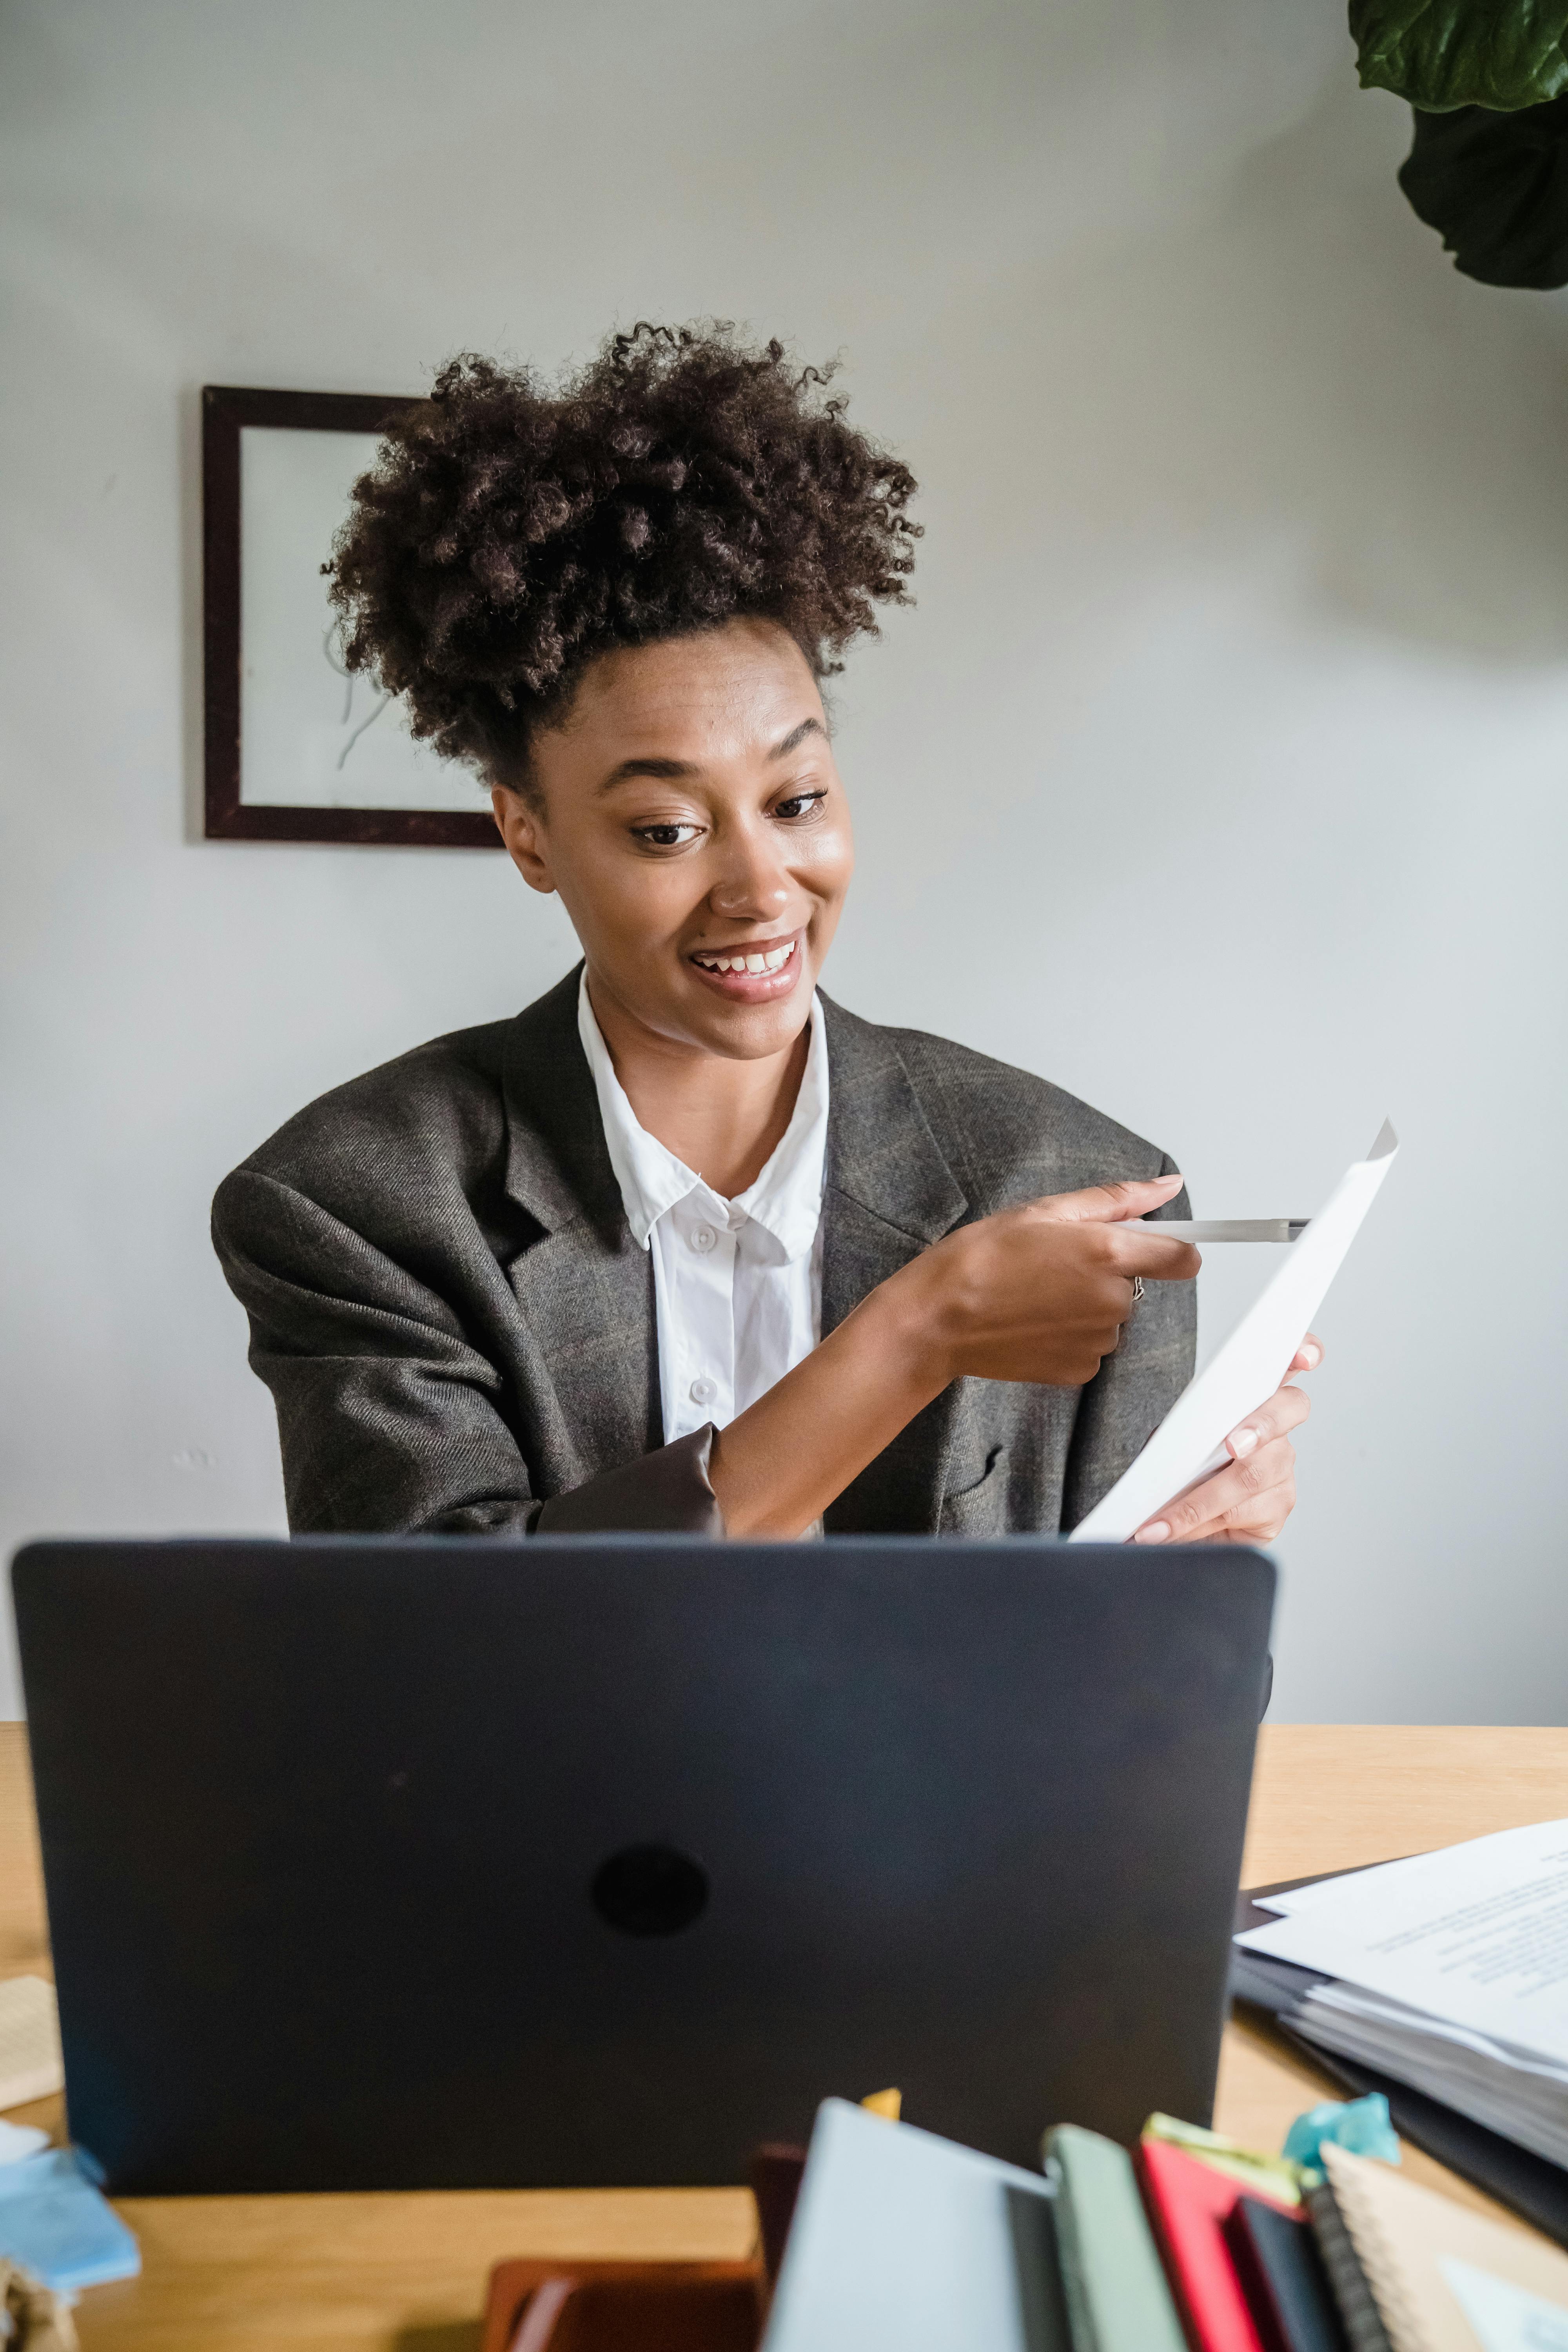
[[691, 817]]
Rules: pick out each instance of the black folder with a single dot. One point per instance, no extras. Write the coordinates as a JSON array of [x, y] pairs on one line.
[[1536, 2188]]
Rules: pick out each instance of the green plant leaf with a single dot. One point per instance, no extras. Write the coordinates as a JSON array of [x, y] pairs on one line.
[[1440, 54], [1495, 186]]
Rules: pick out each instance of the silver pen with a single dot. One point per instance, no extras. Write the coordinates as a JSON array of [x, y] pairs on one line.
[[1227, 1229]]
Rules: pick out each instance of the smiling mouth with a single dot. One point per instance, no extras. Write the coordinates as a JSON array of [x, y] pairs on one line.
[[752, 961]]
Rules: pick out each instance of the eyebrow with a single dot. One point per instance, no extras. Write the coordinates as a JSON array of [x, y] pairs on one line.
[[798, 736], [673, 771]]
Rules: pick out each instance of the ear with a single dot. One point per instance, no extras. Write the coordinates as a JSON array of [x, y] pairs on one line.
[[521, 828]]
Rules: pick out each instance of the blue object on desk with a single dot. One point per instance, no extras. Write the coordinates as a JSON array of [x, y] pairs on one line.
[[1362, 2126], [53, 2221]]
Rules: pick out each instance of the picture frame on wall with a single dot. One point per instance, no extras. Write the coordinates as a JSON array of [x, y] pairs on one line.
[[297, 748]]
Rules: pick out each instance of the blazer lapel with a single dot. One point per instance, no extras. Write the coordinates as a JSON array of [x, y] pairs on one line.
[[889, 1193], [585, 1288]]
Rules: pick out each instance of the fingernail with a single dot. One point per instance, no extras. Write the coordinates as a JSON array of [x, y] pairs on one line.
[[1157, 1531], [1313, 1353], [1242, 1441]]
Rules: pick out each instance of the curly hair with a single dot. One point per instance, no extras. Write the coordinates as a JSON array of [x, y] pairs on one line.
[[508, 534]]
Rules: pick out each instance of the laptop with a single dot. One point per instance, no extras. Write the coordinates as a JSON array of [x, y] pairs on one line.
[[462, 1862]]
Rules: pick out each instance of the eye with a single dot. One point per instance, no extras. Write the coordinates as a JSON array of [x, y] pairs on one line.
[[673, 836], [799, 804]]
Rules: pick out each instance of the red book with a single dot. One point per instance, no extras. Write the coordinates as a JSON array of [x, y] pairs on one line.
[[1190, 2204]]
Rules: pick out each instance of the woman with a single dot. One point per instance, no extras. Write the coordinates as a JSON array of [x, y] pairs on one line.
[[685, 1245]]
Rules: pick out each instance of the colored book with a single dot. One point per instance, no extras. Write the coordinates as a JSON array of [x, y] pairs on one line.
[[900, 2238], [1191, 2203], [1115, 2289], [1442, 2278], [1281, 2274], [1273, 2176]]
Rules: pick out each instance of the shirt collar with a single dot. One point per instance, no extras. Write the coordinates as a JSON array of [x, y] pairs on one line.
[[785, 1200]]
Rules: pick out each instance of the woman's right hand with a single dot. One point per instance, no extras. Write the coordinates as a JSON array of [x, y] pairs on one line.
[[1032, 1294], [1038, 1293]]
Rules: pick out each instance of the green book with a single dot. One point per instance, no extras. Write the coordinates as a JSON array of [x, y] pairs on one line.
[[1113, 2279]]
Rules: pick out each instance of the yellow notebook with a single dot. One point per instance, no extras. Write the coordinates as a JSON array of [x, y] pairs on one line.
[[1444, 2279]]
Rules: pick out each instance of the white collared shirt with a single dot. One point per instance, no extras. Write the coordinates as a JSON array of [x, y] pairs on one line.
[[737, 1284]]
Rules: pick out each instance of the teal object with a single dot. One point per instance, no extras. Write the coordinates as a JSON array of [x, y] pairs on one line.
[[1362, 2126], [54, 2223]]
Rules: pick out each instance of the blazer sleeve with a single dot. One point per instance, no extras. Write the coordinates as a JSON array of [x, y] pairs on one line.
[[390, 1419], [1134, 1388]]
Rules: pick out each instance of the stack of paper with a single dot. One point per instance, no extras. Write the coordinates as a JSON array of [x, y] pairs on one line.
[[1448, 1972]]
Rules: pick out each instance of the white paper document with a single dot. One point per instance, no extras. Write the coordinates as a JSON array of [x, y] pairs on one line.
[[1190, 1441], [1475, 1935]]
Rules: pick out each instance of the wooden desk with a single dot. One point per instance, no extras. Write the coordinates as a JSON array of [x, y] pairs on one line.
[[406, 2273]]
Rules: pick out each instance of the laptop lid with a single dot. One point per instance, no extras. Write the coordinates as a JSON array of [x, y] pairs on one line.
[[460, 1861]]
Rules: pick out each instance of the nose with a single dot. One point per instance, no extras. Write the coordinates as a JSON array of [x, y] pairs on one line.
[[754, 885]]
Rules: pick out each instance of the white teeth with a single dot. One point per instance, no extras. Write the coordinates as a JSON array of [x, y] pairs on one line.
[[772, 961]]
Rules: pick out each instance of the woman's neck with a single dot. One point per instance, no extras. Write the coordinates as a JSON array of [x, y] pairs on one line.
[[724, 1118]]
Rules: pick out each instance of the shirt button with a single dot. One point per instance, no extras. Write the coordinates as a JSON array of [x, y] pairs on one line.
[[703, 1390], [703, 1238]]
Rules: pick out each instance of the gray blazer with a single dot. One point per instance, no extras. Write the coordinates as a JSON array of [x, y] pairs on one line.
[[458, 1328]]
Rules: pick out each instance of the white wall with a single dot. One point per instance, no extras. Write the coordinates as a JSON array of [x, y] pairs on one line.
[[1219, 774]]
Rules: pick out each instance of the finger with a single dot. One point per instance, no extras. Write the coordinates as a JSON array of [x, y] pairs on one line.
[[1258, 1521], [1227, 1531], [1142, 1249], [1237, 1527], [1257, 1493], [1286, 1409], [1235, 1489], [1102, 1205]]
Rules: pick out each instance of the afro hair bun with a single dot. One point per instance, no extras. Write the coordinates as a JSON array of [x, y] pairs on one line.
[[509, 533]]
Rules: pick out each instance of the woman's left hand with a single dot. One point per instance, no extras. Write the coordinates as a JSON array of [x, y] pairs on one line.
[[1251, 1499]]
